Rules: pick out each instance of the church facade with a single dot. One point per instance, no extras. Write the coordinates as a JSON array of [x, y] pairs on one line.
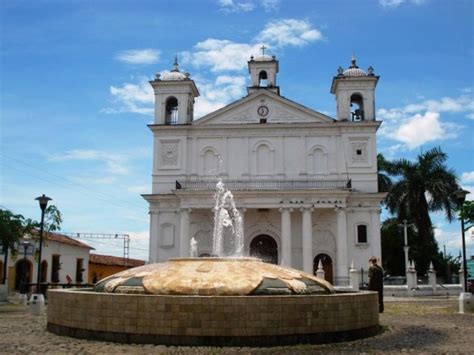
[[304, 183]]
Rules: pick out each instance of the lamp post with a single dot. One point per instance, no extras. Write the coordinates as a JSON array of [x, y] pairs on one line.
[[461, 197], [43, 202]]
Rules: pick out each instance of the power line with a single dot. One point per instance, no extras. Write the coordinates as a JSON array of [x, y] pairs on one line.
[[69, 183]]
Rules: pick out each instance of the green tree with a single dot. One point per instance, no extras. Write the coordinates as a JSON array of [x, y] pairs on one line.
[[420, 187], [384, 181], [12, 228], [15, 226], [467, 213]]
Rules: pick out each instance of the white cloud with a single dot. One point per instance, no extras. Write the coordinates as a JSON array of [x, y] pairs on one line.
[[132, 97], [139, 56], [225, 55], [233, 6], [289, 32], [216, 94], [419, 129], [452, 239], [467, 177], [397, 3], [271, 5], [115, 163], [221, 55], [236, 6], [391, 3], [420, 123]]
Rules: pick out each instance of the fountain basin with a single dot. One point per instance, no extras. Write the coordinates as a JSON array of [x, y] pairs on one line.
[[213, 320]]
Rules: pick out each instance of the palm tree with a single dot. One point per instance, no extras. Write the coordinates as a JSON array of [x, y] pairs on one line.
[[420, 187]]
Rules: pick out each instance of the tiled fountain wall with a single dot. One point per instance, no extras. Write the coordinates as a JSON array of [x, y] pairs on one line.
[[213, 320]]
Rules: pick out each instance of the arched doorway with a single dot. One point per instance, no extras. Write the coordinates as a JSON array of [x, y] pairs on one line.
[[264, 247], [327, 266], [22, 269], [44, 271]]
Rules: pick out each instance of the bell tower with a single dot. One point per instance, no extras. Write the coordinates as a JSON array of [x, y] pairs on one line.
[[174, 97], [263, 71], [354, 90]]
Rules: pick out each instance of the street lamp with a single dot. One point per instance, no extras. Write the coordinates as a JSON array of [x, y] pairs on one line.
[[461, 197], [43, 202]]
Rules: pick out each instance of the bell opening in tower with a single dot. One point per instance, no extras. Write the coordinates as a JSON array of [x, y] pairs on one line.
[[357, 108], [263, 79], [171, 111]]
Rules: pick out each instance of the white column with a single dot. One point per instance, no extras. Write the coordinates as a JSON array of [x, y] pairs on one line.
[[286, 236], [184, 238], [153, 241], [307, 241], [342, 276], [375, 241]]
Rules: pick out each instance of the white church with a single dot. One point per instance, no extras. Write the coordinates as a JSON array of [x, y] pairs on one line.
[[304, 183]]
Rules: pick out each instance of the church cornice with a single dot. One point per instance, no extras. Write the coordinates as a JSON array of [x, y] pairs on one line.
[[341, 126]]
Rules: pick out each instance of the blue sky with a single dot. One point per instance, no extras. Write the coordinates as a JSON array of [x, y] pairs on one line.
[[75, 100]]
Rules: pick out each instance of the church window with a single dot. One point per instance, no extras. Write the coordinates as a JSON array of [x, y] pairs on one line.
[[171, 111], [211, 165], [264, 160], [362, 234], [262, 78], [357, 108]]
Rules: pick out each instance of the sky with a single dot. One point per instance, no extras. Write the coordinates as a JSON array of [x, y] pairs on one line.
[[75, 100]]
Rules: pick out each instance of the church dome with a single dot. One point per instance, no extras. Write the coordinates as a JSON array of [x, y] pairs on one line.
[[354, 70], [264, 58], [175, 74]]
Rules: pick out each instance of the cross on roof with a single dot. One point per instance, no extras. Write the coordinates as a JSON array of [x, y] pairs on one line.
[[263, 49]]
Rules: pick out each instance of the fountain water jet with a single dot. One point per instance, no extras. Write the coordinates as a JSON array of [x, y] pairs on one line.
[[226, 216]]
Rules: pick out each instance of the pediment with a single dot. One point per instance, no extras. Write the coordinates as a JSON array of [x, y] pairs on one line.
[[263, 104]]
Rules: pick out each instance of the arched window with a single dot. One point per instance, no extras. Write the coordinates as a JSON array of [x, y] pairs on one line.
[[264, 247], [264, 160], [362, 237], [171, 111], [262, 78], [210, 162], [357, 107]]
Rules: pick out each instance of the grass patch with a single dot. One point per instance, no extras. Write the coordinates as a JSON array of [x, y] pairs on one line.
[[419, 308]]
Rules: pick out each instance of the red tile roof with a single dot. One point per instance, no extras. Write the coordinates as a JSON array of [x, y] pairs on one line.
[[114, 260]]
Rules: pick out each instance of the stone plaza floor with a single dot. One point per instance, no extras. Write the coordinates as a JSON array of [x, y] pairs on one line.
[[410, 325]]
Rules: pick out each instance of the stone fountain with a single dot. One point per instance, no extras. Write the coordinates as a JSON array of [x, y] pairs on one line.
[[222, 301]]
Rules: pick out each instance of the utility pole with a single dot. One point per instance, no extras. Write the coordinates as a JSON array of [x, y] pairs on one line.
[[125, 237]]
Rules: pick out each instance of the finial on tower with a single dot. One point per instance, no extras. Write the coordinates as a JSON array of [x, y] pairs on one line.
[[263, 50], [353, 61], [175, 64]]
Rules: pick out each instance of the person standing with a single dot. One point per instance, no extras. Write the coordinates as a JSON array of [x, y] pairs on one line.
[[376, 280]]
